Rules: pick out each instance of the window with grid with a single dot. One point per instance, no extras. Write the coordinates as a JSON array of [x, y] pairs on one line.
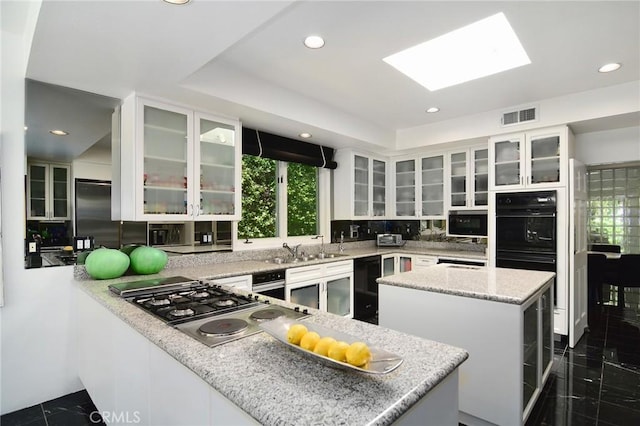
[[614, 206]]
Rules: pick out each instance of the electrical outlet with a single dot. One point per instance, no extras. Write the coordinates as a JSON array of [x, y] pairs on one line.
[[33, 247]]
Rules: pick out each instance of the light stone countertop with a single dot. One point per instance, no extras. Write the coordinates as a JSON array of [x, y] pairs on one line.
[[275, 385], [241, 263], [504, 285]]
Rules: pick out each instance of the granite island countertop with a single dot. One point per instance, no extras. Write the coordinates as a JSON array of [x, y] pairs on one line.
[[504, 285], [279, 386]]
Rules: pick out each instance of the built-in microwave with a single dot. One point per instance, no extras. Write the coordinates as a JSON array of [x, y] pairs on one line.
[[467, 223]]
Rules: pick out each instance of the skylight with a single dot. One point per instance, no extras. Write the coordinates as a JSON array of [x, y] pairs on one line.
[[486, 47]]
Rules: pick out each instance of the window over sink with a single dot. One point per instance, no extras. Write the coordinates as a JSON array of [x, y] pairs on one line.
[[279, 199]]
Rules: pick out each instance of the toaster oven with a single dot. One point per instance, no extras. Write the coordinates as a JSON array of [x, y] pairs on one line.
[[389, 240]]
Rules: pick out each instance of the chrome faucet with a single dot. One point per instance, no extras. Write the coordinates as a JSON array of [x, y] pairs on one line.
[[293, 251], [321, 243], [341, 246]]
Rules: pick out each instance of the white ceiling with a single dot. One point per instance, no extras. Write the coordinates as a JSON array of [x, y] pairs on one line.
[[246, 59]]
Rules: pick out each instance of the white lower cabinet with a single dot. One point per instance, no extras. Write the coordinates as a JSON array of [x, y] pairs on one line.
[[133, 381], [422, 262], [510, 346], [327, 287], [241, 282], [395, 263]]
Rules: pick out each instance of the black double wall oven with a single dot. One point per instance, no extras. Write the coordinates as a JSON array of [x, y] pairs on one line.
[[526, 231]]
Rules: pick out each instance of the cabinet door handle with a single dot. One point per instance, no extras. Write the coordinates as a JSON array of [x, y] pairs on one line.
[[521, 180], [190, 213], [197, 210]]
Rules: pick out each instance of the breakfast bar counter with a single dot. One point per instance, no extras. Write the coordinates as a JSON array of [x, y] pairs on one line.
[[133, 363], [503, 317]]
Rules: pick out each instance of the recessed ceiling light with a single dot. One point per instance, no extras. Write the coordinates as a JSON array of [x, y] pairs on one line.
[[433, 109], [314, 42], [177, 1], [614, 66], [305, 135], [58, 132], [486, 47]]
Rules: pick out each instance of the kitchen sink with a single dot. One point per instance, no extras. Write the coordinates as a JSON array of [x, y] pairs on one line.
[[302, 259]]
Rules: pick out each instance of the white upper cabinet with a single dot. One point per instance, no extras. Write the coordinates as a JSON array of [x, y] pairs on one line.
[[530, 159], [48, 191], [420, 186], [176, 164], [359, 186], [405, 188], [433, 186], [468, 179]]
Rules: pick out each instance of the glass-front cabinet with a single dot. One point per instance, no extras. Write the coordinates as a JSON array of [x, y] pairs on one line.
[[530, 353], [388, 265], [405, 186], [176, 164], [216, 154], [327, 287], [469, 179], [305, 294], [48, 191], [338, 295], [532, 159], [359, 186], [433, 186], [537, 348], [166, 136]]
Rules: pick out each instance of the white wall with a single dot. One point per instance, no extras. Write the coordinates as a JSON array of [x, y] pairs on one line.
[[604, 102], [94, 163], [36, 339], [611, 146]]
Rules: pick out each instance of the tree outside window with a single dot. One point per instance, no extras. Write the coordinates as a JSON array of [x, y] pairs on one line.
[[272, 190]]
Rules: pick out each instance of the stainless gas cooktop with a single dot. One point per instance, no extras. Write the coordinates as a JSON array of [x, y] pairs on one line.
[[209, 313]]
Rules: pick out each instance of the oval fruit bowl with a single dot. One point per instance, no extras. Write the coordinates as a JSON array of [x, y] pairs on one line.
[[380, 362]]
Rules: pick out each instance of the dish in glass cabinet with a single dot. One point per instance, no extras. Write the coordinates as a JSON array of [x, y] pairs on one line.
[[382, 362]]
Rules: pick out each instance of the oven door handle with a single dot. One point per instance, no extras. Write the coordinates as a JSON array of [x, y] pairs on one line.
[[268, 286], [531, 215], [523, 259]]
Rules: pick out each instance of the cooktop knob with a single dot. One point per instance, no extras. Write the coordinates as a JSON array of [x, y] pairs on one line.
[[305, 311], [250, 296], [255, 297], [297, 309], [267, 301]]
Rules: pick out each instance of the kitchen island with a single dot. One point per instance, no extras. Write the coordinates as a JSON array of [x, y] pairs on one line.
[[134, 364], [503, 317]]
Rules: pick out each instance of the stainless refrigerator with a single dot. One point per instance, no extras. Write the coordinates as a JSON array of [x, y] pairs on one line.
[[93, 217]]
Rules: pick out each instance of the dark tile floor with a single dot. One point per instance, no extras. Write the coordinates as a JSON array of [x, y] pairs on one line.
[[598, 381], [75, 409]]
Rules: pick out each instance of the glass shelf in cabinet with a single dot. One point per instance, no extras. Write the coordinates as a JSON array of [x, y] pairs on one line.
[[167, 159], [165, 188], [219, 165], [181, 132]]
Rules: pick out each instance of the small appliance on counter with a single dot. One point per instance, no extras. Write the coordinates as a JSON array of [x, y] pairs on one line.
[[390, 240], [209, 313]]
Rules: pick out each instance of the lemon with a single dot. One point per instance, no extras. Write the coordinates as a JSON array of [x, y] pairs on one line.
[[309, 340], [295, 333], [358, 354], [322, 348], [338, 350]]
